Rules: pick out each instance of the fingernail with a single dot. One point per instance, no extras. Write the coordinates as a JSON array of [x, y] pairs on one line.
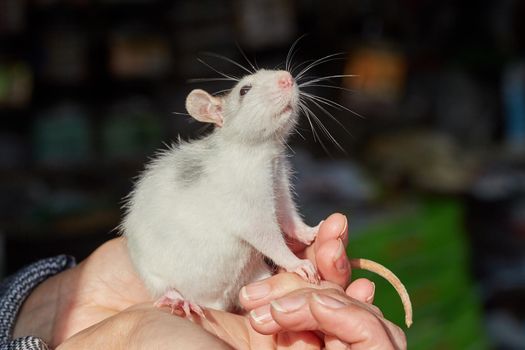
[[340, 259], [345, 228], [289, 304], [255, 291], [371, 296], [328, 301], [261, 315]]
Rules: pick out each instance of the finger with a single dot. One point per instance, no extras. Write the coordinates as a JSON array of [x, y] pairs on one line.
[[332, 262], [333, 313], [362, 290], [292, 312], [262, 292], [353, 324], [334, 227], [262, 320], [298, 340], [332, 343]]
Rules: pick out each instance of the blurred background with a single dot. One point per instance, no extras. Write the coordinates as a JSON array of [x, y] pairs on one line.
[[432, 178]]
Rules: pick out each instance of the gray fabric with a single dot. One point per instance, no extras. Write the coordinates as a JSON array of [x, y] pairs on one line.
[[15, 289]]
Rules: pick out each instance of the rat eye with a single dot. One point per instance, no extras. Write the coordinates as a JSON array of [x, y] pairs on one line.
[[244, 90]]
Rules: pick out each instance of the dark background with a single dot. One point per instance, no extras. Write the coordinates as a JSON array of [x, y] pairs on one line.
[[432, 176]]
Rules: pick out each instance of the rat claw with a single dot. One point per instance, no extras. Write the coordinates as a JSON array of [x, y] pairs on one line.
[[179, 305], [307, 271], [197, 309], [186, 308], [164, 301]]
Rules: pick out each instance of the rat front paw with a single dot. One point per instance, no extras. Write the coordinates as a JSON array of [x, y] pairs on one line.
[[307, 271], [307, 234]]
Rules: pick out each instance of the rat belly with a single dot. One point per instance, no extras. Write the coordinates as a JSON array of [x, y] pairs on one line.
[[187, 235], [205, 264]]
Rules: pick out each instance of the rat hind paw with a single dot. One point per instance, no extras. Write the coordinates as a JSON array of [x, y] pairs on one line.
[[307, 271], [179, 305]]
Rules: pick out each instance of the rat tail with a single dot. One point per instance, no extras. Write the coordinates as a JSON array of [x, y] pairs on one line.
[[382, 271]]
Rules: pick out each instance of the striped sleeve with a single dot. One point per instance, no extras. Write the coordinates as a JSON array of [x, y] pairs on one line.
[[15, 289]]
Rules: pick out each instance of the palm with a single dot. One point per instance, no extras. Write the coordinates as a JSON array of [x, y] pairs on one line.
[[104, 285]]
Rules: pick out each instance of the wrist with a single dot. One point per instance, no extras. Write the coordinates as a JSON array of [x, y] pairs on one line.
[[38, 314]]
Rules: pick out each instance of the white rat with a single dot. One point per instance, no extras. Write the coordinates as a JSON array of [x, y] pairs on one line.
[[204, 214]]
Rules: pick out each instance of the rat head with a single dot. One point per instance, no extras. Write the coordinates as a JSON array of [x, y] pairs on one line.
[[260, 106]]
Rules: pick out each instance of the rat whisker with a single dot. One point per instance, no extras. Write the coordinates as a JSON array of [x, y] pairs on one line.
[[302, 64], [331, 103], [325, 130], [290, 67], [330, 87], [198, 80], [255, 68], [291, 53], [298, 129], [299, 133], [302, 108], [180, 113], [312, 65], [322, 100], [328, 58], [317, 138], [211, 54], [231, 77], [307, 83], [286, 144], [299, 65], [317, 62], [325, 111]]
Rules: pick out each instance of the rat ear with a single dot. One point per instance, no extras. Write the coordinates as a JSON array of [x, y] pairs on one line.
[[204, 107]]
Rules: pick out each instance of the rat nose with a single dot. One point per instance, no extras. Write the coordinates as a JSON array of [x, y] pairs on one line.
[[285, 81]]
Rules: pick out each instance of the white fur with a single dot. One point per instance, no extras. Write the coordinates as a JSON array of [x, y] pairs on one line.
[[206, 238]]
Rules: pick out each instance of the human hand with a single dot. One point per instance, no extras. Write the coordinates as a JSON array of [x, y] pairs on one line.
[[99, 287], [97, 290], [106, 283], [340, 319]]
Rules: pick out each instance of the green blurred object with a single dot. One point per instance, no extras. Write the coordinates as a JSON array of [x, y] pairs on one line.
[[62, 137], [427, 250], [131, 131]]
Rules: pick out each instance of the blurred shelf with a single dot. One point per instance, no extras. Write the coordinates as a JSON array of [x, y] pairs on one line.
[[93, 170]]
